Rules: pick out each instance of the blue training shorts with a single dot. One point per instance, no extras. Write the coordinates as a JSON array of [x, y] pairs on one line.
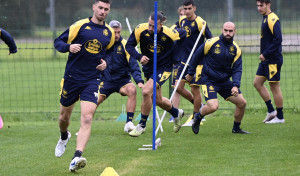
[[70, 92], [162, 75], [196, 80], [210, 90], [270, 71], [106, 88]]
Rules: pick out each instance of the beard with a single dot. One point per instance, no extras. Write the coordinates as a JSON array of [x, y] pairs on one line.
[[228, 38]]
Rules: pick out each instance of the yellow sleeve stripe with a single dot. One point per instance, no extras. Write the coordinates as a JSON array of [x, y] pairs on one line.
[[127, 54], [238, 53], [173, 34], [272, 18], [74, 29], [183, 17], [200, 23], [112, 39], [209, 43], [138, 30]]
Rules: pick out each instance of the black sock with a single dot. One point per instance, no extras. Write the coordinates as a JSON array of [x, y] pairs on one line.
[[279, 113], [143, 120], [173, 111], [194, 114], [64, 135], [198, 116], [77, 153], [129, 116], [269, 106], [236, 125]]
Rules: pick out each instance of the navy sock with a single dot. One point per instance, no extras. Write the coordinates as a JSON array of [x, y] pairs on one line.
[[129, 116], [143, 120], [279, 113], [77, 153], [198, 116], [269, 106], [236, 125], [64, 135], [194, 114], [173, 111]]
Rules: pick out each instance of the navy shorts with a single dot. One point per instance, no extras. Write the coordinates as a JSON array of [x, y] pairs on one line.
[[196, 80], [270, 71], [70, 92], [210, 90], [162, 75], [106, 88]]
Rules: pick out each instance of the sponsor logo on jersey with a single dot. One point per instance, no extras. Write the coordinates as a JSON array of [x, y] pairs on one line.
[[188, 31], [163, 38], [93, 46], [151, 48]]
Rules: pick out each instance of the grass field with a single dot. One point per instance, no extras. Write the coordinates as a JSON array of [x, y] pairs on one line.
[[27, 148]]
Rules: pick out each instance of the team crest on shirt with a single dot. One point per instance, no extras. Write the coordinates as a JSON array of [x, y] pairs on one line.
[[163, 38], [193, 24], [105, 32], [119, 50], [188, 31], [217, 49], [151, 48], [231, 50], [93, 46], [211, 88]]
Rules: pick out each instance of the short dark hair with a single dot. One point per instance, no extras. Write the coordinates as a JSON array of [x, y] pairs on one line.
[[105, 1], [160, 16], [189, 2], [264, 1]]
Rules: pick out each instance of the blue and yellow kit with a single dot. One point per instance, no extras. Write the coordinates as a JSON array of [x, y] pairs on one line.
[[165, 45], [271, 39], [120, 65], [95, 40], [193, 29], [8, 40], [219, 61]]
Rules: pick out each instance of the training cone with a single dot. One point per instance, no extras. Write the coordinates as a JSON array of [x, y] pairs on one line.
[[109, 171], [123, 115], [1, 122]]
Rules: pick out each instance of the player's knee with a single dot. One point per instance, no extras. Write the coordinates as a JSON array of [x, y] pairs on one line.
[[132, 92], [87, 119], [146, 92], [213, 107], [242, 104]]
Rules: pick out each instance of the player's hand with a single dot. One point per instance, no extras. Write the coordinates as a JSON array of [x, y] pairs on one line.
[[262, 58], [235, 91], [140, 85], [144, 60], [75, 48], [102, 65], [188, 78]]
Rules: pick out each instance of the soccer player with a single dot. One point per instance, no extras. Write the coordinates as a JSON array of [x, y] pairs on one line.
[[220, 59], [116, 77], [176, 96], [271, 61], [193, 24], [9, 41], [144, 34], [86, 41]]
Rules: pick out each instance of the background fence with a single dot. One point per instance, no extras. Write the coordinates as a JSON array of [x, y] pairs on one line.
[[30, 79]]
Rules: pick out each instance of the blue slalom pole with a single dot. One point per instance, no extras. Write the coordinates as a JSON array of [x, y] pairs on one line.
[[154, 75]]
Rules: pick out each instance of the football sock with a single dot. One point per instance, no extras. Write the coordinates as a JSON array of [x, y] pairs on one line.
[[129, 116], [173, 111], [279, 113], [77, 153], [198, 116], [269, 106], [143, 120], [64, 135], [236, 125], [194, 114]]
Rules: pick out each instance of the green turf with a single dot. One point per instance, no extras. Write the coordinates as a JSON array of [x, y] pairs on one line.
[[27, 148]]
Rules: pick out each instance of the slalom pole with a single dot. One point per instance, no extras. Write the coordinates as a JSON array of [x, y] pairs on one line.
[[154, 75], [181, 75], [130, 30]]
